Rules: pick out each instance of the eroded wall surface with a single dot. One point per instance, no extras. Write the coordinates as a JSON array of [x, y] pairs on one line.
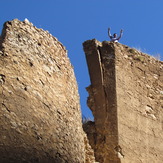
[[126, 99], [40, 118], [139, 79]]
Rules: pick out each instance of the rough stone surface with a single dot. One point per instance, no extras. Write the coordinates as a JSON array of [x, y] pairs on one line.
[[40, 118], [126, 99], [89, 152]]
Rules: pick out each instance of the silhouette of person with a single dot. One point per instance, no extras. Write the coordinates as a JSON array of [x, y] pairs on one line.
[[114, 38]]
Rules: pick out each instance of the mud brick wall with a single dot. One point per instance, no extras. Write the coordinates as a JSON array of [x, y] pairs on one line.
[[126, 98]]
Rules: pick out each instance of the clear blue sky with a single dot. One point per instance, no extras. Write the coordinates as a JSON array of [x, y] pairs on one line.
[[74, 21]]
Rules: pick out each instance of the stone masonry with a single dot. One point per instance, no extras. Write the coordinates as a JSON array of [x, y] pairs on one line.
[[126, 98], [40, 117]]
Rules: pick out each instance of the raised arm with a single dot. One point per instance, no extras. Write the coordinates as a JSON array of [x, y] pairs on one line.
[[109, 34], [121, 33]]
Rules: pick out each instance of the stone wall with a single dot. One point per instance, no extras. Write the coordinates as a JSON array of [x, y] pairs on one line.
[[126, 97], [40, 118], [140, 105]]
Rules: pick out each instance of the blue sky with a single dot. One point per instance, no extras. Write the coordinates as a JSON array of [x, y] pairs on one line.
[[74, 21]]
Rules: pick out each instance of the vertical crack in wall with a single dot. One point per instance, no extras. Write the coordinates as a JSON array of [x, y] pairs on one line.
[[101, 65], [125, 96]]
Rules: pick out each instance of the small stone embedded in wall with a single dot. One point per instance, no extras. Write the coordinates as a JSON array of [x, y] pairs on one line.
[[2, 78]]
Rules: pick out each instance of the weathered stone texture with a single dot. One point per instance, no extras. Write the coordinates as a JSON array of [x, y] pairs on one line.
[[139, 80], [89, 152], [126, 98], [40, 119]]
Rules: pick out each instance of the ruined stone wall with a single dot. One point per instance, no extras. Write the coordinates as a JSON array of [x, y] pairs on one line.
[[139, 80], [102, 97], [126, 99], [40, 118]]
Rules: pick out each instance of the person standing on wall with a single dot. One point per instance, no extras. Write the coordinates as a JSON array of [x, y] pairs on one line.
[[114, 38]]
